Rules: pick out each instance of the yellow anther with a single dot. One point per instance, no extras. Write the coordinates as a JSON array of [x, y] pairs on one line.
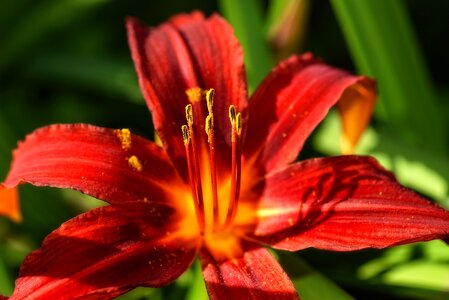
[[185, 134], [238, 124], [232, 114], [210, 100], [209, 128], [194, 94], [124, 136], [134, 163], [189, 114]]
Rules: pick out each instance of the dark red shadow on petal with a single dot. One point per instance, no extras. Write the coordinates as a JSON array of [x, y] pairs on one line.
[[108, 256], [318, 200], [335, 186], [345, 203]]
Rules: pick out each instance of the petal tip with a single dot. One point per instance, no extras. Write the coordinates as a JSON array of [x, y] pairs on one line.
[[9, 204]]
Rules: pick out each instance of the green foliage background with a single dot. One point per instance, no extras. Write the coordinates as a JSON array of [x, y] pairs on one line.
[[67, 61]]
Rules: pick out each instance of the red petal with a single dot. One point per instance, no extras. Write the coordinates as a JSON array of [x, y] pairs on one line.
[[289, 104], [344, 203], [106, 252], [94, 161], [9, 204], [256, 275], [189, 51]]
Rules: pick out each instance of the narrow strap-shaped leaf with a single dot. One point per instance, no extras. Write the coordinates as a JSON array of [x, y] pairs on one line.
[[381, 40], [247, 20], [309, 283], [6, 282]]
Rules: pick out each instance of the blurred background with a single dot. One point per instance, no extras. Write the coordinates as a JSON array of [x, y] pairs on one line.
[[67, 61]]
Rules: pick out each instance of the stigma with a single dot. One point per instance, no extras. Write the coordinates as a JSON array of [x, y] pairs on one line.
[[215, 202]]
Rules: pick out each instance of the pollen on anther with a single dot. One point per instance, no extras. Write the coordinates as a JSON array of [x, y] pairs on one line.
[[134, 163], [185, 134], [210, 99], [194, 94], [238, 124], [189, 114], [124, 136], [209, 127], [232, 114]]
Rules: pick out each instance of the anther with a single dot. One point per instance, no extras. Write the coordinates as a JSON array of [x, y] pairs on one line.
[[211, 140], [185, 134], [209, 128], [238, 124], [232, 115], [210, 99], [189, 114]]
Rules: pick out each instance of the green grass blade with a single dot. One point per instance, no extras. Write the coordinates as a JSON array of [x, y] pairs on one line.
[[382, 42], [310, 284], [197, 288], [246, 17], [6, 283]]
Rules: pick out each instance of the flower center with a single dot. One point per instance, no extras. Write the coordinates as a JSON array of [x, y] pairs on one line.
[[192, 146]]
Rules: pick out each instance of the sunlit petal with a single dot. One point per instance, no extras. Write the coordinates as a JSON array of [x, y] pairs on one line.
[[188, 52], [9, 203], [344, 203], [112, 165], [289, 104]]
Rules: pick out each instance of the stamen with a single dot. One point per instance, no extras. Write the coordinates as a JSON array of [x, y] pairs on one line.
[[209, 128], [232, 115], [195, 166], [210, 100], [185, 134], [235, 120], [213, 171], [189, 114], [199, 212], [238, 124]]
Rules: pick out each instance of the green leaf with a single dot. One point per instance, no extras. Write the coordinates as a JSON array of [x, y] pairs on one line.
[[6, 282], [113, 77], [310, 284], [142, 294], [419, 274], [197, 289], [37, 21], [419, 265], [246, 17], [9, 140], [382, 43]]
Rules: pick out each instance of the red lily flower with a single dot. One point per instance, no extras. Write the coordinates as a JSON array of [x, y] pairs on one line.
[[223, 189]]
